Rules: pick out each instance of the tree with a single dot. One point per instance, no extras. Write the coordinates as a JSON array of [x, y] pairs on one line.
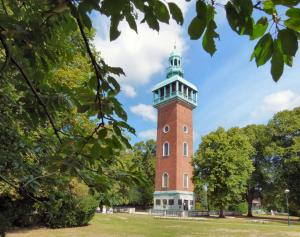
[[132, 176], [144, 156], [38, 39], [285, 151], [260, 177], [223, 163]]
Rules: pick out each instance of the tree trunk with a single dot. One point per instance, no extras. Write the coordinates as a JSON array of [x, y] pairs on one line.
[[249, 214], [250, 195], [222, 214]]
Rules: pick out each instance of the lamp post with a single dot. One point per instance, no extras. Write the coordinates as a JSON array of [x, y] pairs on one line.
[[287, 204]]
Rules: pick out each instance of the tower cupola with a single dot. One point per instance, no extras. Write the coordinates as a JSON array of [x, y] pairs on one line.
[[175, 64], [175, 87]]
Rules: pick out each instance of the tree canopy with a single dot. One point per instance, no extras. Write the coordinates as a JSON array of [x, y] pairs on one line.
[[223, 164], [258, 184], [270, 157]]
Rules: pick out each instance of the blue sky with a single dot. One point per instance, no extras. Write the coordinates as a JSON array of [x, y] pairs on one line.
[[232, 91]]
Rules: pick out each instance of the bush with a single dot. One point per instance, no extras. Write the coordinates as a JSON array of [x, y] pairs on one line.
[[199, 207], [20, 212], [241, 207], [295, 213], [70, 211]]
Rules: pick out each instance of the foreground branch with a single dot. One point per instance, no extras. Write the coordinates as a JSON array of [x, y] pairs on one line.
[[28, 82], [93, 60]]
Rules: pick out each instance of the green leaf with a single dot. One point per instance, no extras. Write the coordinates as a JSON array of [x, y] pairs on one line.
[[110, 8], [196, 28], [131, 22], [293, 13], [259, 28], [96, 150], [127, 126], [139, 4], [161, 11], [287, 3], [86, 20], [102, 132], [277, 63], [85, 6], [263, 50], [288, 42], [210, 13], [293, 24], [114, 70], [239, 17], [114, 82], [114, 33], [232, 16], [201, 10], [176, 13], [246, 7], [151, 19], [208, 42], [120, 112], [288, 60], [269, 7]]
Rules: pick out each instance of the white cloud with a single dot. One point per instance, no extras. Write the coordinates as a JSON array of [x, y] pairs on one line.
[[147, 112], [140, 55], [148, 134], [128, 90], [276, 102]]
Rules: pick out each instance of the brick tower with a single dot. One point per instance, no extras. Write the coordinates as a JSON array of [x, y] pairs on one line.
[[175, 98]]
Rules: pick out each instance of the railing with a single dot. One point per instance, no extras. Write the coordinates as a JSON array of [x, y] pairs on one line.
[[174, 94], [166, 213], [191, 213]]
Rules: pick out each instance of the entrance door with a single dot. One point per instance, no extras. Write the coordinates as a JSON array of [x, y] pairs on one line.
[[186, 205]]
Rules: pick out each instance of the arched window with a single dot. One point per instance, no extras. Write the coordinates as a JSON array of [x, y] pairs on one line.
[[175, 62], [185, 181], [165, 180], [166, 149]]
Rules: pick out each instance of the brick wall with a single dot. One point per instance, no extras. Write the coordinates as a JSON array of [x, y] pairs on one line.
[[176, 114]]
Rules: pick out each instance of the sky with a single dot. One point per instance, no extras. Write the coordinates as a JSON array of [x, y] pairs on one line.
[[232, 91]]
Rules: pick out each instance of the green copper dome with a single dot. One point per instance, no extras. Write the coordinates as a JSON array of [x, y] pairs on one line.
[[175, 64]]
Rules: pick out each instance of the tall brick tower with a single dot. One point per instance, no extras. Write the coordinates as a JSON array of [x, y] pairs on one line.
[[175, 98]]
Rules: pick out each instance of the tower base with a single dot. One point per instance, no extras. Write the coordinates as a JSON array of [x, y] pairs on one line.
[[174, 200]]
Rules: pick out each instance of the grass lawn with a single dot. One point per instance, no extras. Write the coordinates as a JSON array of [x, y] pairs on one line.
[[144, 225]]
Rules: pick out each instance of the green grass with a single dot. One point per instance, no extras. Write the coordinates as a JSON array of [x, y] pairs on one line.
[[122, 225]]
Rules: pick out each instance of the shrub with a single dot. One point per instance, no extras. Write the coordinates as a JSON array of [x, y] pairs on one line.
[[69, 211], [241, 207], [200, 207], [19, 212]]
